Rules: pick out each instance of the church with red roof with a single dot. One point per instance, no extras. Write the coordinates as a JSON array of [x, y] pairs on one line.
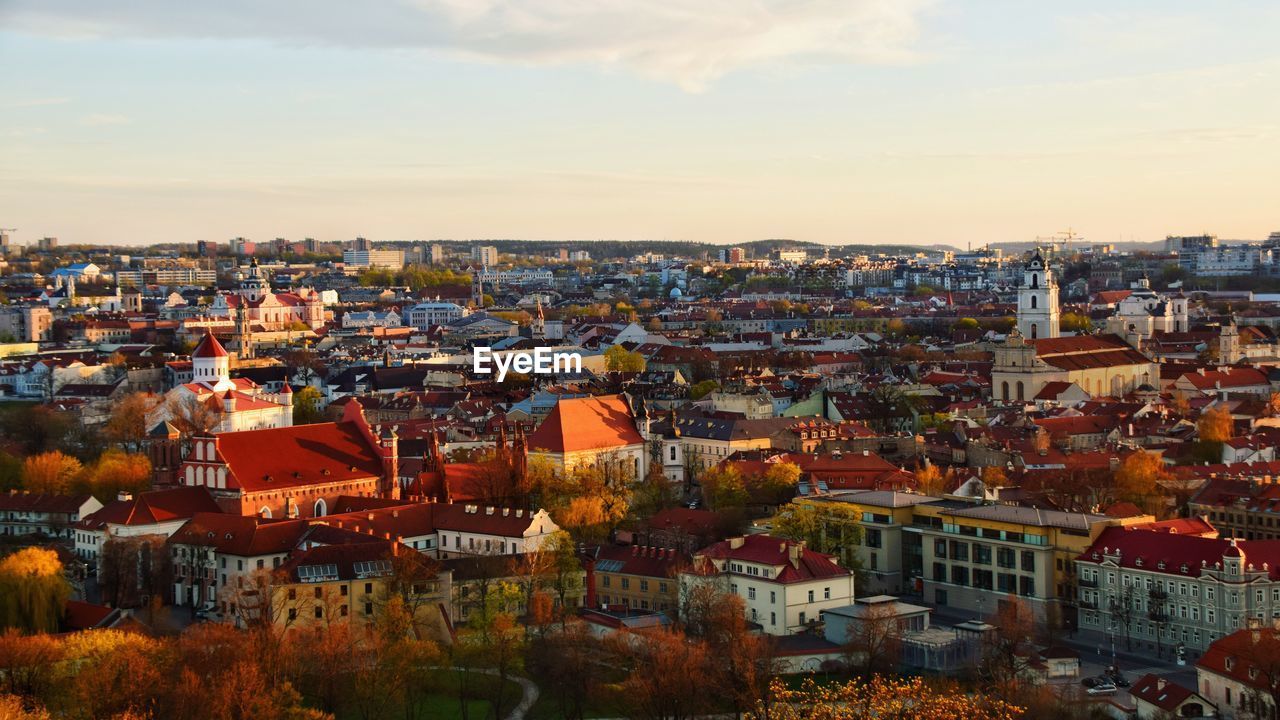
[[297, 471], [589, 430], [214, 401]]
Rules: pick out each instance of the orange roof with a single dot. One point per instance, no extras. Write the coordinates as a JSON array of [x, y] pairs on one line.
[[590, 423], [298, 455], [209, 347]]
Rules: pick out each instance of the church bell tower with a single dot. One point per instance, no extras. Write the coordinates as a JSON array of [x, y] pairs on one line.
[[1038, 313]]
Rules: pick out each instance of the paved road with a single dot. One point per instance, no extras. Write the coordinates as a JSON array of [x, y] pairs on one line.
[[526, 685]]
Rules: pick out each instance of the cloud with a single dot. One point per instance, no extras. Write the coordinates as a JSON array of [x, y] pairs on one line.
[[689, 42], [99, 119]]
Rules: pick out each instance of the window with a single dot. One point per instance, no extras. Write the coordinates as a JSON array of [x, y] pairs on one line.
[[368, 608], [751, 594], [810, 596], [940, 548], [607, 581], [1028, 561], [644, 586], [626, 583], [344, 591], [802, 618], [368, 588], [319, 612], [293, 613], [826, 593], [773, 618], [773, 597], [871, 538]]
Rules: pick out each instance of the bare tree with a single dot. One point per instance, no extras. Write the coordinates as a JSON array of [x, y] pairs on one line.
[[874, 642]]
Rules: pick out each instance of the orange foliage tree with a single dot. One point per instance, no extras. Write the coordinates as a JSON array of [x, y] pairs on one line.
[[880, 697], [50, 472]]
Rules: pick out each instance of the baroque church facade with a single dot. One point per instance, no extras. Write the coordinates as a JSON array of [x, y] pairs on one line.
[[1035, 354]]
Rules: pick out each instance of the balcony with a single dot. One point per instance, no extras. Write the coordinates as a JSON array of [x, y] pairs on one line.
[[1157, 594], [1158, 616], [1088, 604], [1087, 583]]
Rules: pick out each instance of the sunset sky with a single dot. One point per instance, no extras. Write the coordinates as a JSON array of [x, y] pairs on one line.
[[851, 121]]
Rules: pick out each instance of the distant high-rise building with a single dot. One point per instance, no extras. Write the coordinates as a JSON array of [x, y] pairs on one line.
[[361, 245], [4, 242], [563, 255], [1189, 243], [485, 255], [47, 243], [310, 245], [579, 256], [206, 248], [733, 255], [241, 246], [436, 254], [390, 259]]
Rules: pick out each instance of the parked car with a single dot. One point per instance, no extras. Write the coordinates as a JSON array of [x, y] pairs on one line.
[[1118, 680], [1102, 689], [1089, 682]]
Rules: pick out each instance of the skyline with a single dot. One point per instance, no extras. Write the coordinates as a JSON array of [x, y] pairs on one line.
[[831, 122]]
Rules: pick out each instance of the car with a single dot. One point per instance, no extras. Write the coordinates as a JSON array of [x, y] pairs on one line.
[[1089, 682], [1118, 680], [1102, 689]]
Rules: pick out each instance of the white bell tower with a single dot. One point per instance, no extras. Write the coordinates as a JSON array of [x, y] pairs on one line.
[[1038, 314]]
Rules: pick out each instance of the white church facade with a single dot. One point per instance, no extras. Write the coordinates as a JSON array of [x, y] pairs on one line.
[[1035, 354]]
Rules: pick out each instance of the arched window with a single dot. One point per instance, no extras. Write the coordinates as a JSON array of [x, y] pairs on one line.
[[1033, 302], [264, 511], [1035, 280], [1021, 396], [1035, 331], [320, 508], [1004, 390]]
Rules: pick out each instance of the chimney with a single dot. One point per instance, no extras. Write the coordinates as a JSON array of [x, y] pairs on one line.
[[737, 542]]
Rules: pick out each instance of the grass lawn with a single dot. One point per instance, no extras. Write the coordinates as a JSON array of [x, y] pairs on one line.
[[443, 704]]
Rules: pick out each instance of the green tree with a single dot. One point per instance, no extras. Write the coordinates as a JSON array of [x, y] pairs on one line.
[[702, 389], [832, 528], [306, 406], [619, 359]]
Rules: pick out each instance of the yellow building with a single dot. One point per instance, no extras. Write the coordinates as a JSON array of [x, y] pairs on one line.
[[354, 583]]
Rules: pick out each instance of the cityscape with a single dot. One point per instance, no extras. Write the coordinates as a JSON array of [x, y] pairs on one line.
[[533, 360]]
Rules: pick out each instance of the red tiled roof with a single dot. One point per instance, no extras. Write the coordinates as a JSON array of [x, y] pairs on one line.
[[1162, 693], [41, 502], [156, 506], [1226, 378], [1234, 656], [589, 423], [245, 536], [1138, 544], [768, 550], [298, 455], [209, 347]]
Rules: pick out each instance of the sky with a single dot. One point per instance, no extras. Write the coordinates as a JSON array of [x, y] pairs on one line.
[[832, 121]]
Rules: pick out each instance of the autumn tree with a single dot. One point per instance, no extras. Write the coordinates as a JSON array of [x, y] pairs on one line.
[[663, 674], [874, 642], [619, 359], [134, 569], [33, 590], [307, 408], [880, 696], [994, 476], [1215, 425], [50, 472], [780, 481], [1137, 480], [565, 665], [723, 488], [127, 425], [115, 471], [932, 480], [1001, 664], [827, 527]]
